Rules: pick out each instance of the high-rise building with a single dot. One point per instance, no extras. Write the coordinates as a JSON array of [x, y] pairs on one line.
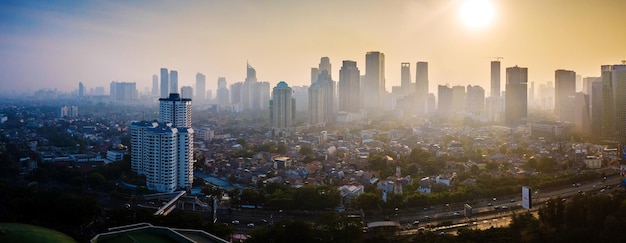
[[516, 105], [68, 111], [301, 95], [173, 81], [175, 110], [587, 84], [421, 86], [163, 152], [325, 66], [200, 87], [282, 107], [582, 118], [349, 87], [165, 85], [614, 103], [155, 85], [373, 86], [254, 95], [81, 89], [236, 90], [458, 101], [405, 77], [495, 79], [475, 101], [316, 104], [596, 107], [565, 89], [327, 88], [222, 94], [314, 73], [99, 91], [444, 101], [186, 92], [123, 91]]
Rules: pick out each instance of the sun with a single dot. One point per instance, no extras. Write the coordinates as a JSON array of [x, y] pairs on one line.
[[476, 13]]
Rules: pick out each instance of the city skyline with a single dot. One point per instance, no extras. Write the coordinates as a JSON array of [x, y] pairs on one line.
[[59, 44]]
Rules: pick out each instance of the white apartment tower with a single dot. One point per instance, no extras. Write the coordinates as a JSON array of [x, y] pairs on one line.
[[163, 151], [175, 110]]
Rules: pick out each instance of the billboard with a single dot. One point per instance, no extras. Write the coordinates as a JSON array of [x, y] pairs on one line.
[[527, 201]]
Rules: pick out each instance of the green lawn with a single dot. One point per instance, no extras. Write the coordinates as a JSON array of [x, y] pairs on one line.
[[13, 232]]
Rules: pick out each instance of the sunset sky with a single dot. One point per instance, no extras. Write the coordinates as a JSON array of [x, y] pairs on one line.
[[56, 44]]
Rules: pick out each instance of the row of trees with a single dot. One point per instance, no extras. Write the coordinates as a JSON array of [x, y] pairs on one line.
[[280, 196]]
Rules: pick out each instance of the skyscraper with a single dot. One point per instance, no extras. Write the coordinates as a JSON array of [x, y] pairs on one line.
[[165, 85], [405, 77], [155, 85], [326, 88], [222, 94], [186, 92], [596, 107], [373, 87], [250, 96], [325, 66], [516, 105], [200, 87], [314, 73], [458, 100], [316, 104], [282, 107], [421, 87], [475, 101], [614, 103], [444, 101], [495, 79], [123, 91], [349, 87], [565, 89], [174, 81], [81, 89]]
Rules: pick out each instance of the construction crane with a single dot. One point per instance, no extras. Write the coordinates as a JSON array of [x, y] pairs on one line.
[[497, 58]]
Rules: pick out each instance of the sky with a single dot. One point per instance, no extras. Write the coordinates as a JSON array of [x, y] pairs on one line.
[[59, 43]]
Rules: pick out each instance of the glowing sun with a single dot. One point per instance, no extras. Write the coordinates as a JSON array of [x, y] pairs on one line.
[[476, 13]]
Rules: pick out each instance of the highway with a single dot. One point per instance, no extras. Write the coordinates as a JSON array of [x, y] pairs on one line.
[[485, 214]]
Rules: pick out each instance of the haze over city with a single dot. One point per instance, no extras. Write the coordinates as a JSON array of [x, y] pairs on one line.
[[60, 43]]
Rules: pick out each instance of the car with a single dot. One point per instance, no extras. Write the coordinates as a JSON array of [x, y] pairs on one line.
[[489, 204], [264, 221], [251, 225], [495, 199], [512, 200], [456, 214], [425, 209], [416, 223], [504, 207], [427, 217], [235, 222], [421, 229], [497, 207]]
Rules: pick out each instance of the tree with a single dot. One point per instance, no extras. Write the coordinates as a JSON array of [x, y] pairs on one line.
[[367, 201], [306, 150], [491, 166]]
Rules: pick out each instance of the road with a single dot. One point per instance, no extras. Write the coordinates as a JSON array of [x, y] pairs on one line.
[[485, 214]]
